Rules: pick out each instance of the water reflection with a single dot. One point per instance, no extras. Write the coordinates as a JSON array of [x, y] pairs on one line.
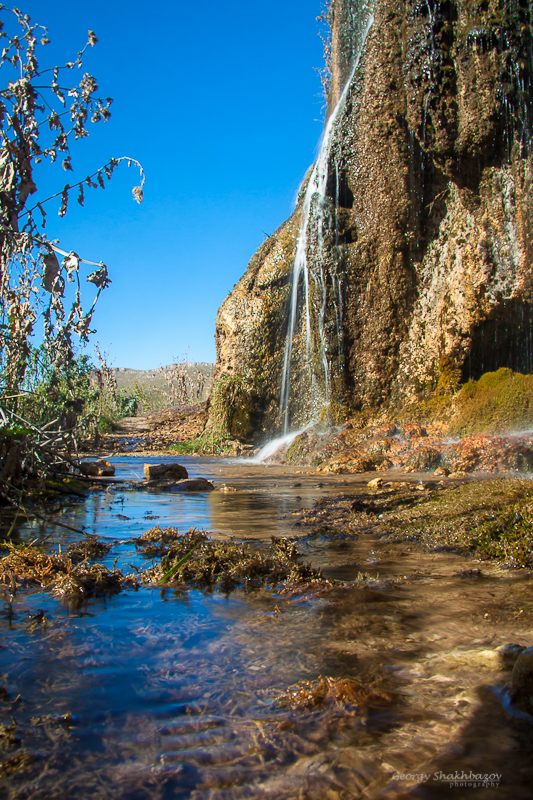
[[252, 514], [152, 693], [257, 508]]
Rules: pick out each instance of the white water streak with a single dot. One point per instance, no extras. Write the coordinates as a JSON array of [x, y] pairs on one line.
[[271, 448], [316, 190]]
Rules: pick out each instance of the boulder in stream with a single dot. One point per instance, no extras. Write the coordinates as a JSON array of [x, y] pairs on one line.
[[155, 472]]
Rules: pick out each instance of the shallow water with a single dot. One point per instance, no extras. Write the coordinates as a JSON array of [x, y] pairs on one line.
[[157, 694]]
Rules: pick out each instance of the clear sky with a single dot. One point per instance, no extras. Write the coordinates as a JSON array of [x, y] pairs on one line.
[[223, 106]]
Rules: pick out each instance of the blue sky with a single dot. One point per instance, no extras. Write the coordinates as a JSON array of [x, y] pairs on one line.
[[223, 106]]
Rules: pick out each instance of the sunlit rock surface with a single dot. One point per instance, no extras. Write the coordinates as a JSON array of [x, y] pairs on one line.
[[424, 235]]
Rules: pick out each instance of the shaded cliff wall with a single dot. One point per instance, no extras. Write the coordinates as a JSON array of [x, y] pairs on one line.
[[426, 225]]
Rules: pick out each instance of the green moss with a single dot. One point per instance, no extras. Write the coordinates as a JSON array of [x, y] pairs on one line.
[[489, 519], [434, 409], [232, 406], [207, 444], [449, 376], [338, 411], [508, 537], [498, 402], [298, 449]]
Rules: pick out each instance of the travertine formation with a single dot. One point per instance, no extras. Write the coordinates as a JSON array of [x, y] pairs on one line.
[[419, 256]]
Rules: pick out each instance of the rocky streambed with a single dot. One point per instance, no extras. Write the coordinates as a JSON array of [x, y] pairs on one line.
[[366, 652]]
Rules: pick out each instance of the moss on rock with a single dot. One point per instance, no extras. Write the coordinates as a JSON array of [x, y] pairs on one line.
[[498, 402]]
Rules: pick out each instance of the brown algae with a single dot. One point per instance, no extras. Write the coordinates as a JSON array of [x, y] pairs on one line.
[[220, 565], [27, 565], [331, 691]]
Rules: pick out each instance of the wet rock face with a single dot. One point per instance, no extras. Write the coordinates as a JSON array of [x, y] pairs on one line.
[[426, 224]]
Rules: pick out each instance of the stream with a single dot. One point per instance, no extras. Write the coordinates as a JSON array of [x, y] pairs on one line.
[[154, 693]]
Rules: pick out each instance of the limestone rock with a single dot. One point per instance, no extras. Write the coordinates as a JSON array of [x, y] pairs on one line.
[[154, 472], [96, 469], [426, 228]]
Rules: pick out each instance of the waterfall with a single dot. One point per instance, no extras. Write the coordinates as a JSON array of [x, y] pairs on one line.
[[274, 446], [314, 212]]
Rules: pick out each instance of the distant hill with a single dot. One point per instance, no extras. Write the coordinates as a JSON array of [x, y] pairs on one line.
[[166, 386]]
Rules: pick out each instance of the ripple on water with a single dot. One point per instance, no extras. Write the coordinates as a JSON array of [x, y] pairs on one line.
[[158, 694]]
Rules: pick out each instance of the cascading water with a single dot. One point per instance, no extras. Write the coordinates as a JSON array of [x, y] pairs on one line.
[[309, 274]]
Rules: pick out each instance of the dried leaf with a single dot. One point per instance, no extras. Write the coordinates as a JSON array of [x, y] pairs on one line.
[[64, 201], [51, 270], [81, 326], [43, 212], [99, 277], [72, 264], [58, 289]]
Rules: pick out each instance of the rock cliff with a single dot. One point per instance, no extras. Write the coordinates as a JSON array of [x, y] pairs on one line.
[[418, 269]]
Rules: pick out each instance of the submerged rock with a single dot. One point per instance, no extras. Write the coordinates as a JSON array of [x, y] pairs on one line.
[[187, 485], [193, 485]]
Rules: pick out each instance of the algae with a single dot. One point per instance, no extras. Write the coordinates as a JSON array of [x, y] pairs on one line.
[[489, 519], [498, 402], [28, 565], [331, 691], [192, 560], [209, 443]]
